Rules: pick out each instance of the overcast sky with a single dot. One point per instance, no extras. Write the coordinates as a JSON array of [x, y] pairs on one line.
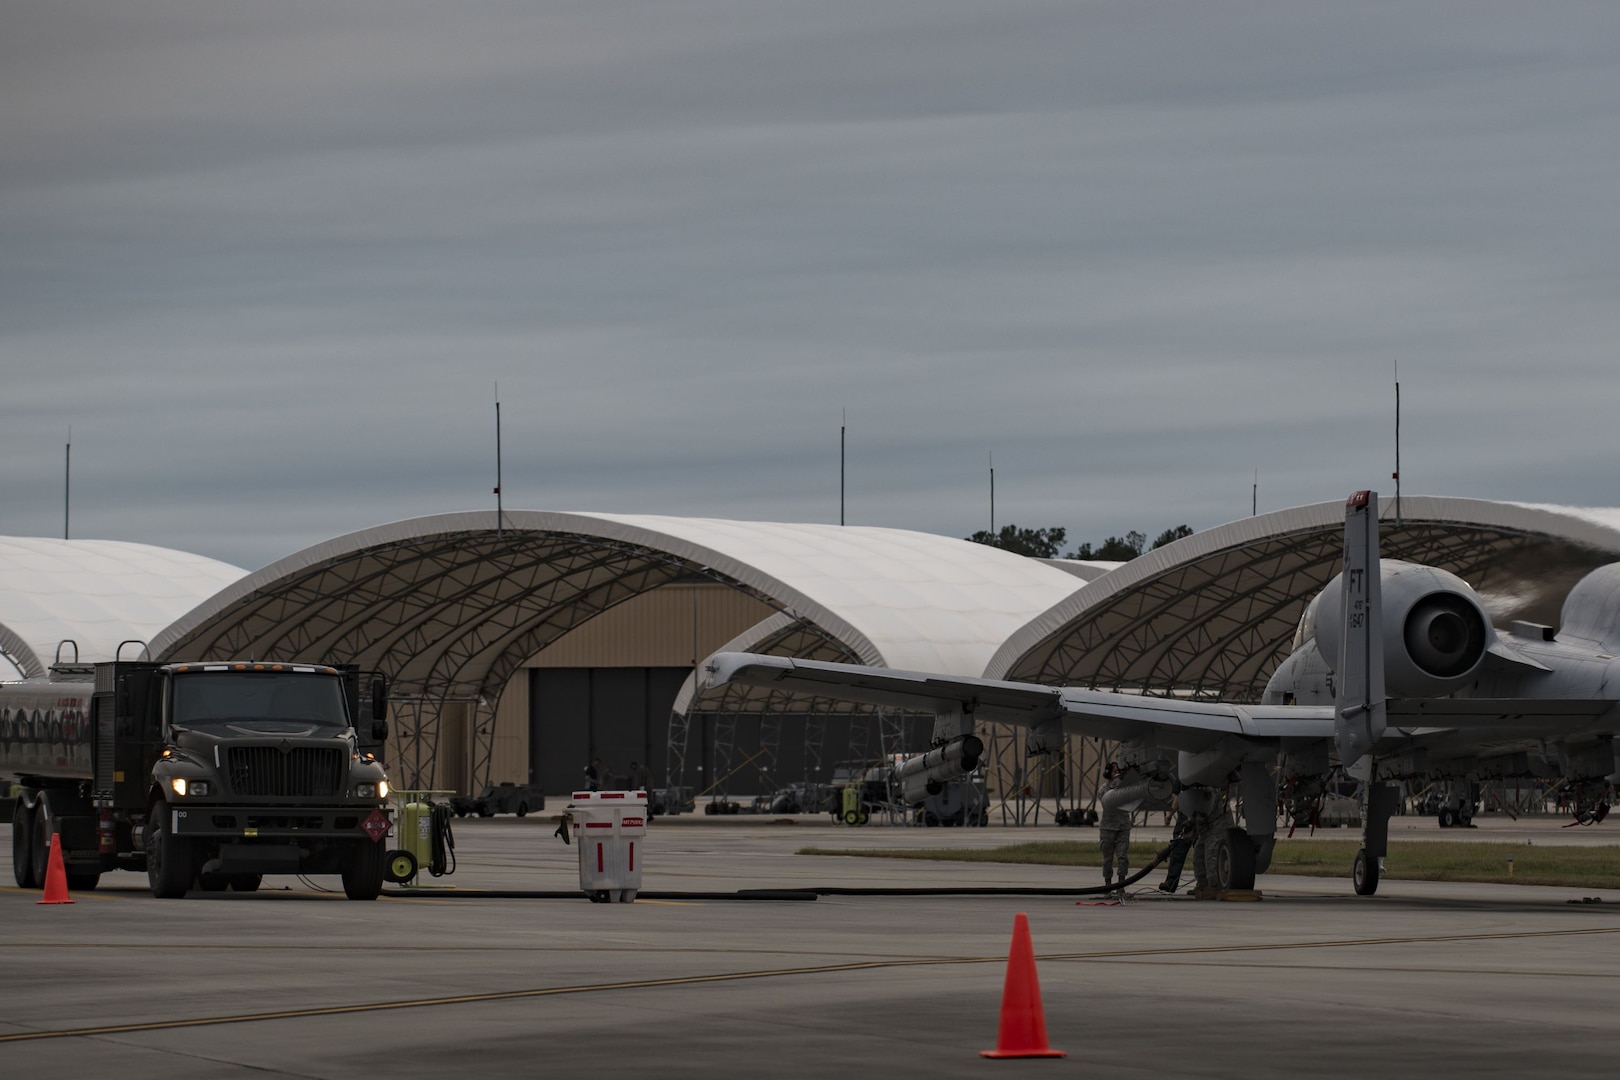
[[270, 260]]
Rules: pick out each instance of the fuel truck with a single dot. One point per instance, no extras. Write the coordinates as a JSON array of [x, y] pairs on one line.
[[204, 775]]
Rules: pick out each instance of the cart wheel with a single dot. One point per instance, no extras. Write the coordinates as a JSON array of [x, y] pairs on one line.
[[523, 809], [852, 817], [865, 817], [601, 896], [401, 866]]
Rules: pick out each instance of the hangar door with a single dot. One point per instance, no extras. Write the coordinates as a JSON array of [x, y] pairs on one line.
[[618, 714]]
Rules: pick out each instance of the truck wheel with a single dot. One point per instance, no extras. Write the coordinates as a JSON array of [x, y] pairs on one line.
[[246, 882], [168, 857], [213, 882], [82, 880], [40, 849], [523, 809], [22, 847], [363, 877]]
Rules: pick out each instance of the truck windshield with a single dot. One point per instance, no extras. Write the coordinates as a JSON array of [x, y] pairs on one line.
[[264, 701]]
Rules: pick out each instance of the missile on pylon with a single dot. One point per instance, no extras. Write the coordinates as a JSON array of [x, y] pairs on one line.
[[927, 774]]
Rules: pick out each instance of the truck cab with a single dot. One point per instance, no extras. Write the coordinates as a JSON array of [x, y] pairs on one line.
[[260, 771], [210, 775]]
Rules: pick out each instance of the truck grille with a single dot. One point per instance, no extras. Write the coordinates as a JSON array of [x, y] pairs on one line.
[[269, 771]]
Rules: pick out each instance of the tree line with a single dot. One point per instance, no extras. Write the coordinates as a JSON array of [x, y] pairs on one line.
[[1046, 543]]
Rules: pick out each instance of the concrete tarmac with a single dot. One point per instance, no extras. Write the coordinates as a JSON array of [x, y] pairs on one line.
[[293, 981]]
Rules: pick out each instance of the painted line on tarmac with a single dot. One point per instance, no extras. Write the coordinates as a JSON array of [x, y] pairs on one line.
[[739, 976], [1356, 969], [474, 999]]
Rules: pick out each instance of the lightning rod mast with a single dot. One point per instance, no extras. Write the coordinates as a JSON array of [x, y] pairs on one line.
[[500, 515]]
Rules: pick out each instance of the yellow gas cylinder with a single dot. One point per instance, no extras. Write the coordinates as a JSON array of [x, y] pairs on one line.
[[851, 805], [416, 831]]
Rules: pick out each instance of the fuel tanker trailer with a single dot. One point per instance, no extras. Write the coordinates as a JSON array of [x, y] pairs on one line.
[[204, 775]]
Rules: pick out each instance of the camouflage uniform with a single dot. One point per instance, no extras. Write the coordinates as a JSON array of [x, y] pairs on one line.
[[1208, 826], [1180, 843], [1114, 836]]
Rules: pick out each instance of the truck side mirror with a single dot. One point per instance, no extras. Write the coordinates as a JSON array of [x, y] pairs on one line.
[[379, 730], [379, 701]]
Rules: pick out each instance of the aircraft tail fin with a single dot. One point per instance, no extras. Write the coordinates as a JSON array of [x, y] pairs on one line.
[[1361, 718]]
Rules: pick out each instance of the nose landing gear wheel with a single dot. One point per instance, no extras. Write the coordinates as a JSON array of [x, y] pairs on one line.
[[1365, 874]]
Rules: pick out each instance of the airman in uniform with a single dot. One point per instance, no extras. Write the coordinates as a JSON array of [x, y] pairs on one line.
[[1114, 833]]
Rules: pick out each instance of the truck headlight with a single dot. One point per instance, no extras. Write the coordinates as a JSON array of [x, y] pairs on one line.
[[365, 791], [382, 789], [182, 786]]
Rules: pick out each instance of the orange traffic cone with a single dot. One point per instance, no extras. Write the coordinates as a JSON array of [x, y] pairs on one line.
[[1023, 1022], [55, 876]]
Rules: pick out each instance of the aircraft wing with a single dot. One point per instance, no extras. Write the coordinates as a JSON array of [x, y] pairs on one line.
[[1175, 723], [988, 699], [1554, 716], [1189, 725]]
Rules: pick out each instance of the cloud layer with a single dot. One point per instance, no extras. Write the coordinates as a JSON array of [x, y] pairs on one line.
[[270, 261]]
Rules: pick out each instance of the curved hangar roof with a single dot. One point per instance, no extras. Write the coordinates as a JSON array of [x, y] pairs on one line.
[[449, 606], [95, 593], [1214, 614]]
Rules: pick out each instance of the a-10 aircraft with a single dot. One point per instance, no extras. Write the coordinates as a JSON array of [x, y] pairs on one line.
[[1396, 675]]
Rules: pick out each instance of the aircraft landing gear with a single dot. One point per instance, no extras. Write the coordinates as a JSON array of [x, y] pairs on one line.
[[1365, 875], [1382, 800], [1234, 860]]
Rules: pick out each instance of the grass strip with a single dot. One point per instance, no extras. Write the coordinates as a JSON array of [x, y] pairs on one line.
[[1532, 864]]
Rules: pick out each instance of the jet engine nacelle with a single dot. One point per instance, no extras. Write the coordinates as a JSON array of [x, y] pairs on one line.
[[1435, 630], [927, 774]]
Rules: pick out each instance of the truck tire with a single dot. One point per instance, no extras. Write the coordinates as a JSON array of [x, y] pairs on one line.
[[168, 857], [40, 849], [22, 846], [82, 880], [363, 877], [523, 809], [243, 882]]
